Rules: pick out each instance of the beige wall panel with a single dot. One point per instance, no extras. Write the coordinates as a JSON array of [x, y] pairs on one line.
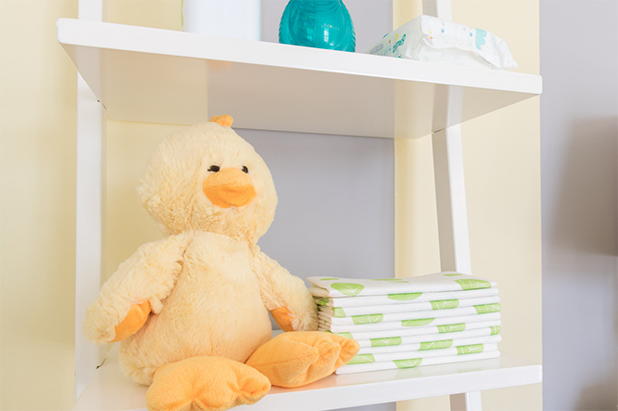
[[160, 14], [37, 217], [129, 146]]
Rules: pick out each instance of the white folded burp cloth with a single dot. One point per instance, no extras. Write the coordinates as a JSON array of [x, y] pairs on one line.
[[429, 344], [415, 362], [430, 39], [325, 325], [447, 281], [406, 355], [389, 338], [445, 308], [405, 317], [320, 295]]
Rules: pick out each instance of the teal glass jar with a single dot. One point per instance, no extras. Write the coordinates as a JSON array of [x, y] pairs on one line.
[[324, 24]]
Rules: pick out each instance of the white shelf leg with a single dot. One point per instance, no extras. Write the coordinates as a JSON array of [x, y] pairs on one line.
[[451, 201], [88, 227], [438, 8], [448, 167], [451, 195], [89, 212], [469, 401], [93, 10]]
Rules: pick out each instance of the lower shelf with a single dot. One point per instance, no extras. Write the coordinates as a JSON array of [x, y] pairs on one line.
[[111, 391]]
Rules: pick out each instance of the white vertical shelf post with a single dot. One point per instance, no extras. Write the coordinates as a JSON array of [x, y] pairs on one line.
[[451, 192], [438, 8], [451, 200], [89, 212], [470, 401]]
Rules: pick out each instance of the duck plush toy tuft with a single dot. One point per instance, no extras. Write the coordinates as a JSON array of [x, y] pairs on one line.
[[192, 309]]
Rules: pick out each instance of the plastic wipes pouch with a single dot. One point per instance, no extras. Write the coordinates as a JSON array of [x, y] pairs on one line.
[[430, 39]]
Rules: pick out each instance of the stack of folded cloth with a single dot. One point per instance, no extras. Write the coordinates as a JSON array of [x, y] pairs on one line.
[[404, 323]]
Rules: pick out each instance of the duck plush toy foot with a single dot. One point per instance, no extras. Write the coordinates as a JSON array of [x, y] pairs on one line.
[[299, 358], [205, 383], [192, 309]]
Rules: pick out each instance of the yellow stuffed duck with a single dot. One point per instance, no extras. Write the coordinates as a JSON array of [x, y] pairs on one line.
[[192, 309]]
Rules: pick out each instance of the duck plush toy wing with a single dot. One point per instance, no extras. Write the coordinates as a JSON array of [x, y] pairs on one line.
[[192, 309]]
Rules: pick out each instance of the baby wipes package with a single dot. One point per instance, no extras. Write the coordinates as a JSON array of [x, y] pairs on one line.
[[428, 38]]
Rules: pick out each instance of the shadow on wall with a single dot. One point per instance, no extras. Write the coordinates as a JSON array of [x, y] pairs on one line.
[[587, 193], [602, 394], [594, 396], [579, 266]]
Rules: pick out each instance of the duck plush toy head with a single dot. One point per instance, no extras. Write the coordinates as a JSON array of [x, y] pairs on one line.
[[208, 178], [192, 310]]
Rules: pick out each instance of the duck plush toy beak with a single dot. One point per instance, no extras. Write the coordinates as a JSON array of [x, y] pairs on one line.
[[229, 187]]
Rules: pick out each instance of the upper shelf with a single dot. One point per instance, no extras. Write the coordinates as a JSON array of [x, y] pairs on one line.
[[163, 76], [111, 391]]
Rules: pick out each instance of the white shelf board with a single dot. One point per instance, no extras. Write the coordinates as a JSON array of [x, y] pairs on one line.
[[163, 76], [111, 391]]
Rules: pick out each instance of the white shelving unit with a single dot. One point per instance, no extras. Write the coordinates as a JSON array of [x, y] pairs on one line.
[[111, 391], [161, 76]]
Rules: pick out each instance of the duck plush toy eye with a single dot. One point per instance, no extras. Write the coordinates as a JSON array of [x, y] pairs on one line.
[[192, 310]]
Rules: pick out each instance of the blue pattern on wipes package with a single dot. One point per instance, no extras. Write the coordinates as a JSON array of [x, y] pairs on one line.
[[480, 38]]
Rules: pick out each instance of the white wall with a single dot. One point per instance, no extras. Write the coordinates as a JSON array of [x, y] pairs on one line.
[[579, 65]]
